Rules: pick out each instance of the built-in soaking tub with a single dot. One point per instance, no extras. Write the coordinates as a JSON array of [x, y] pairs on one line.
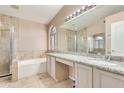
[[31, 67]]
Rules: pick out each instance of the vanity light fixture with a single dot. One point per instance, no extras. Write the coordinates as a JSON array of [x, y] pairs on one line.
[[79, 12]]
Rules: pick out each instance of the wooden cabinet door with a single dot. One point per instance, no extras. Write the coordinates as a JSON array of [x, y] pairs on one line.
[[103, 79], [83, 76]]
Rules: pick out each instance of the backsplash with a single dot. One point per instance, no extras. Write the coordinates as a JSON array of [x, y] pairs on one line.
[[22, 55], [102, 57]]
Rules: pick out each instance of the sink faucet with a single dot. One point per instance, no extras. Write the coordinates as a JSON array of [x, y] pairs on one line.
[[108, 57]]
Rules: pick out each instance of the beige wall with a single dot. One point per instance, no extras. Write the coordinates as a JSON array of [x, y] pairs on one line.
[[32, 36], [32, 39], [109, 20]]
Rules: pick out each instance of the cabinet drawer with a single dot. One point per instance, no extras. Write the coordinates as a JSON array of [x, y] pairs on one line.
[[70, 63]]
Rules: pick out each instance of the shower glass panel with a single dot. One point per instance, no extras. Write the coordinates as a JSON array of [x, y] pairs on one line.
[[5, 50]]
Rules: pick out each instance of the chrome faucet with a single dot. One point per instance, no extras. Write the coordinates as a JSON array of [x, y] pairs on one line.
[[108, 57]]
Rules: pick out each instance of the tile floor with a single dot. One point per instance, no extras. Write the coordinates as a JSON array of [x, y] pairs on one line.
[[37, 81]]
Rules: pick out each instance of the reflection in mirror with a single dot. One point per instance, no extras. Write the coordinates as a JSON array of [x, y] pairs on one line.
[[81, 39], [90, 44], [62, 40], [90, 39], [96, 44], [71, 41]]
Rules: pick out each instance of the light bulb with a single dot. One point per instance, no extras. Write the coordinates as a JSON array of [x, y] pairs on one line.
[[83, 8], [70, 15], [67, 17], [74, 13], [78, 10]]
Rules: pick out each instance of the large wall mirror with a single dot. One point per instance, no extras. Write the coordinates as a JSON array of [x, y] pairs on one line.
[[90, 39], [90, 34]]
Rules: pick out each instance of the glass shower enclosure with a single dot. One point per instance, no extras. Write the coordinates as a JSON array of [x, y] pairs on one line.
[[6, 49]]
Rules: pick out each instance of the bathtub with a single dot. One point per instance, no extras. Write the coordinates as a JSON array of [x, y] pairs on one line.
[[31, 67]]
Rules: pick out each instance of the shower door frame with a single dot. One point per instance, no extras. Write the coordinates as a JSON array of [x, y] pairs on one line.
[[12, 49]]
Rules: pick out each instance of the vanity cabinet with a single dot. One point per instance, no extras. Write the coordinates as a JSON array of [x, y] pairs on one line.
[[104, 79], [83, 75], [57, 69]]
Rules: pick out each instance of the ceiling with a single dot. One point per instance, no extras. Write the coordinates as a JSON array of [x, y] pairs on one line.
[[38, 13]]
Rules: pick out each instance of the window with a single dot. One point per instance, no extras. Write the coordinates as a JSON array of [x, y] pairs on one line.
[[52, 38], [96, 44], [99, 42]]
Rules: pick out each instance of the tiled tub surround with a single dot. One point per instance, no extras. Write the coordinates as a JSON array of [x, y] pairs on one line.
[[24, 55], [112, 66]]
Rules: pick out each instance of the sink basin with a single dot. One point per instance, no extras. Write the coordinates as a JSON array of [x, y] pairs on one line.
[[102, 61], [107, 63]]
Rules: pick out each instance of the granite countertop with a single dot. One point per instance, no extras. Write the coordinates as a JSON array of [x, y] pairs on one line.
[[112, 66]]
